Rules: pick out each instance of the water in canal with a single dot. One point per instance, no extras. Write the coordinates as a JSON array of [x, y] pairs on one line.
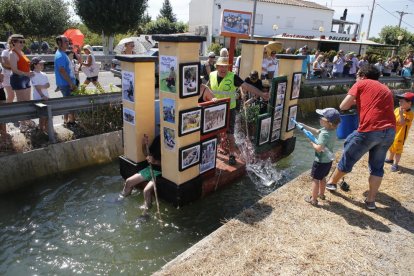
[[75, 224]]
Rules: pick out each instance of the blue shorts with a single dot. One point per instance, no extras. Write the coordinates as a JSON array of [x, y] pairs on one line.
[[320, 170], [66, 91], [357, 144], [19, 82]]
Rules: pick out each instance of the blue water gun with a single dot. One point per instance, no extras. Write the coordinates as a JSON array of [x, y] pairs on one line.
[[312, 138], [307, 132]]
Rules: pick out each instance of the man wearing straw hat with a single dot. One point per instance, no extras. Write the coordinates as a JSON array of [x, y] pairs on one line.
[[224, 84]]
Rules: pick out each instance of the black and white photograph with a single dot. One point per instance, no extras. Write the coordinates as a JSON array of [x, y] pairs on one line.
[[214, 117], [296, 80], [277, 93], [208, 155], [264, 123], [278, 112], [129, 116], [190, 121], [128, 86], [281, 92], [168, 110], [189, 79], [189, 156], [169, 138], [293, 111], [276, 125]]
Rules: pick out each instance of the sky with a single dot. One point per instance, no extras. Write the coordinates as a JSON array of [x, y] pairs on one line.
[[384, 11]]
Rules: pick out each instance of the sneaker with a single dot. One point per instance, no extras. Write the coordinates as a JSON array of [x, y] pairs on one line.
[[309, 200], [370, 205], [232, 160], [331, 187], [389, 161], [394, 168], [344, 186]]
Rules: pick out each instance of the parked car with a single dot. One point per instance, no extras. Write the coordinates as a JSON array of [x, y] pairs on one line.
[[116, 65], [97, 50], [3, 45]]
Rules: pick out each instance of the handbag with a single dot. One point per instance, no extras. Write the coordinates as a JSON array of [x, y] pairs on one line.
[[91, 71]]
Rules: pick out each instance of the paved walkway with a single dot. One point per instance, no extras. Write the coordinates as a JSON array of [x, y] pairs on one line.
[[283, 235]]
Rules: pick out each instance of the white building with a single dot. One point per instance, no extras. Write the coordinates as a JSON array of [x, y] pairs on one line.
[[293, 22]]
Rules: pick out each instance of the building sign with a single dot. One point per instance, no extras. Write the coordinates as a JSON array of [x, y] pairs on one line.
[[339, 38], [298, 36], [331, 37], [236, 23]]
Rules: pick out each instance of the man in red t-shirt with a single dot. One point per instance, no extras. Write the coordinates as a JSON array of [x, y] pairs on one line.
[[375, 133]]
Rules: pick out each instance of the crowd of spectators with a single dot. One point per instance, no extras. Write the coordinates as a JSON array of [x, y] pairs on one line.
[[321, 65], [22, 79]]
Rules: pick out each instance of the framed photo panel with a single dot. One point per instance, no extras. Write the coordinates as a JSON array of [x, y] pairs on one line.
[[189, 156], [190, 121], [277, 93], [208, 155], [189, 79], [293, 111], [263, 131], [276, 124], [236, 23], [214, 117], [296, 82]]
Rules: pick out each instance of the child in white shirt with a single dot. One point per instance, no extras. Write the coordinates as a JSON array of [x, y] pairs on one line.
[[40, 84]]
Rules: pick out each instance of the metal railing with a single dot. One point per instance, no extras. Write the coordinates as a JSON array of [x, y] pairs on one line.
[[20, 111], [350, 81]]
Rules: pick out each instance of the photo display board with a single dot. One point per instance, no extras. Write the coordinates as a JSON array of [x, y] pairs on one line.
[[276, 106], [215, 117], [236, 23]]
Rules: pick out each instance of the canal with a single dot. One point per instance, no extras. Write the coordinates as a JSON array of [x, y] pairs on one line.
[[76, 223]]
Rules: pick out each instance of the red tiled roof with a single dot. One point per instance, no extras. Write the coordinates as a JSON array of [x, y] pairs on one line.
[[299, 3]]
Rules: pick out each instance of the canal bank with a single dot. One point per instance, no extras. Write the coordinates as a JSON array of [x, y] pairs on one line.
[[283, 235], [21, 169]]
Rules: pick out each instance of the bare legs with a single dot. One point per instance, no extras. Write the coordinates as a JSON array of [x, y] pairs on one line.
[[337, 175], [23, 95], [394, 156], [318, 189], [10, 94], [136, 180], [374, 183]]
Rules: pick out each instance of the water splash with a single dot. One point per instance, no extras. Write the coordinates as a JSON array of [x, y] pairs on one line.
[[259, 171]]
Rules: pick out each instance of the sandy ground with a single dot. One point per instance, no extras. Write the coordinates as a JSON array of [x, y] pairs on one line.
[[284, 235]]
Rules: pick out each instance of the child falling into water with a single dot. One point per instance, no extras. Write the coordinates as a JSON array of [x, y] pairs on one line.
[[329, 120], [40, 84], [404, 117]]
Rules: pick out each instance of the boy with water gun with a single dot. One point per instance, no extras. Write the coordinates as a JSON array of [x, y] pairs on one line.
[[329, 120]]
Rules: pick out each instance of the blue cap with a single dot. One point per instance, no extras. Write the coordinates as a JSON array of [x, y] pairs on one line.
[[331, 114]]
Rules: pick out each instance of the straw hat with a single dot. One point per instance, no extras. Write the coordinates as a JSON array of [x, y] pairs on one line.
[[222, 61], [89, 47]]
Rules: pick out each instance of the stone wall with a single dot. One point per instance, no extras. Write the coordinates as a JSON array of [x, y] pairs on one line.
[[20, 169]]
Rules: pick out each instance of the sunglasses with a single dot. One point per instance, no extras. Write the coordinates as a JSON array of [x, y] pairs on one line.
[[20, 41]]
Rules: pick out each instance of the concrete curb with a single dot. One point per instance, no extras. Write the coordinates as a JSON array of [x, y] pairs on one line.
[[20, 169]]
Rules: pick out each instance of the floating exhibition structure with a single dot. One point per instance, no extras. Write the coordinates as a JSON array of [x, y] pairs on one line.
[[191, 164]]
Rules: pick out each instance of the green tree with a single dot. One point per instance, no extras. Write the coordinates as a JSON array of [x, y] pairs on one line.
[[109, 17], [164, 26], [35, 19], [390, 34], [167, 12]]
